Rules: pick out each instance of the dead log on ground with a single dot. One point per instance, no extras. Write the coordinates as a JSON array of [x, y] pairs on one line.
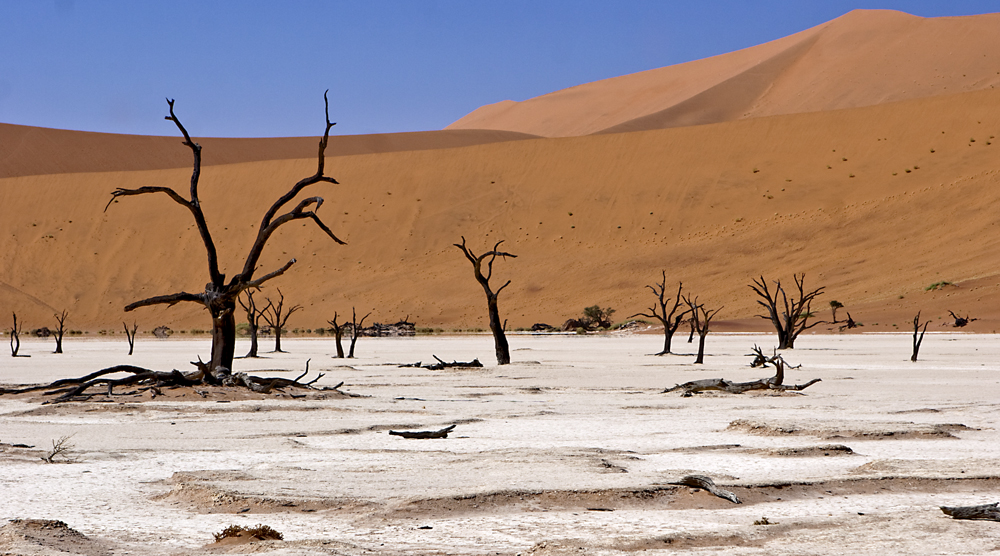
[[705, 483], [989, 512], [75, 389], [774, 383], [441, 364], [443, 433]]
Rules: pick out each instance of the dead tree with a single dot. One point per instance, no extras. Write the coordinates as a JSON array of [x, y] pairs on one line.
[[219, 296], [789, 317], [670, 319], [443, 433], [700, 320], [60, 330], [276, 317], [916, 340], [774, 383], [499, 339], [130, 335], [356, 327], [15, 338], [960, 322], [338, 334], [253, 321]]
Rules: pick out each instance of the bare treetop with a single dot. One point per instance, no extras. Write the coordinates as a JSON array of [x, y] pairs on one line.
[[220, 297]]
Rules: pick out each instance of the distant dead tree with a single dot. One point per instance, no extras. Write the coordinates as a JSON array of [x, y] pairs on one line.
[[789, 317], [220, 296], [15, 338], [499, 339], [670, 319], [701, 318], [960, 322], [916, 340], [60, 330], [253, 321], [338, 334], [834, 305], [356, 327], [130, 335], [276, 317]]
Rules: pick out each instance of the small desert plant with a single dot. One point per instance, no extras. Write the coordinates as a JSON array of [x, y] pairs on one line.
[[60, 447], [937, 285], [260, 532], [598, 316], [764, 521]]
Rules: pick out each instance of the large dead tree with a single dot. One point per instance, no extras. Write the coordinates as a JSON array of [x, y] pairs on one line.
[[774, 383], [790, 317], [499, 339], [60, 330], [220, 295], [670, 319], [356, 327], [253, 321], [917, 340], [701, 318], [276, 317]]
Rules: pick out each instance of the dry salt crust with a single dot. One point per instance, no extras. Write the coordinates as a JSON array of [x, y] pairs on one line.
[[570, 449]]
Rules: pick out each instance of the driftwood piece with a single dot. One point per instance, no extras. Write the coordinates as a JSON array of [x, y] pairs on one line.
[[705, 483], [443, 433], [989, 512]]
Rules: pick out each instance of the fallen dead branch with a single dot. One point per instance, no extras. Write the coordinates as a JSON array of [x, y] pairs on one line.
[[705, 483], [774, 383], [989, 512], [441, 364], [76, 389], [443, 433]]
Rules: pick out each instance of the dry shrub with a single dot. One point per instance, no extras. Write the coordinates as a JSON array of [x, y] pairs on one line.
[[260, 532]]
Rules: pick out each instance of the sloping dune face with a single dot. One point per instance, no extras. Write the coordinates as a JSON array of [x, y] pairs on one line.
[[863, 58], [874, 203]]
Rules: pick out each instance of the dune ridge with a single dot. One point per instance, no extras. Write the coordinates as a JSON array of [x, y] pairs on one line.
[[862, 58], [26, 151]]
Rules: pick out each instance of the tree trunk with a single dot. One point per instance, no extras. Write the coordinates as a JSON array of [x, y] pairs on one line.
[[339, 334], [499, 339], [277, 339], [354, 340], [252, 329], [58, 343], [701, 349], [223, 337], [668, 336]]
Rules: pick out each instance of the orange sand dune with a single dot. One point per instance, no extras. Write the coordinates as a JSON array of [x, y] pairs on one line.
[[875, 203], [863, 58], [26, 151]]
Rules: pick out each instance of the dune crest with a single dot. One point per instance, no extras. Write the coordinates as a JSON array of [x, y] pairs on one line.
[[863, 58]]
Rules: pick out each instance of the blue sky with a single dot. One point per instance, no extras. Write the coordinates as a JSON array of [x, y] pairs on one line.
[[258, 69]]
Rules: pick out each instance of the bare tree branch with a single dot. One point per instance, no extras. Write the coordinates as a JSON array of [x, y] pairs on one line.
[[170, 299]]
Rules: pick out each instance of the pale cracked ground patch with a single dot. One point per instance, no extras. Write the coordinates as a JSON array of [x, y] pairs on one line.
[[570, 449]]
